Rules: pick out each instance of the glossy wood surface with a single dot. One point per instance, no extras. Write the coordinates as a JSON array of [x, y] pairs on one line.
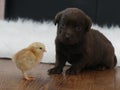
[[11, 79]]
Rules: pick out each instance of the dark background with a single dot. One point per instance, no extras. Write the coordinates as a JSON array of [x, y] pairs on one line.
[[102, 12]]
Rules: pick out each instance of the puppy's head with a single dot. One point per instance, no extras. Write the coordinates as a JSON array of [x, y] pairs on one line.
[[72, 25]]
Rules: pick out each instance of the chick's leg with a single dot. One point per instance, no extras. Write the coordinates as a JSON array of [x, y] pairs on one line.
[[26, 77]]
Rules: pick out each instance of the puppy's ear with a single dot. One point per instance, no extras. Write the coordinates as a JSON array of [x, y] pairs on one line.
[[88, 23], [57, 17]]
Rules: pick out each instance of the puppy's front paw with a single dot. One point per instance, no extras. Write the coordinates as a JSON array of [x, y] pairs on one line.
[[72, 71], [55, 70]]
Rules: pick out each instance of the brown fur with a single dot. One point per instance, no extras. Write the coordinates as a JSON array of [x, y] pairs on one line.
[[80, 45]]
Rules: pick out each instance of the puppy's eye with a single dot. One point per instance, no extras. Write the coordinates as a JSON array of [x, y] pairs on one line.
[[62, 26], [78, 28]]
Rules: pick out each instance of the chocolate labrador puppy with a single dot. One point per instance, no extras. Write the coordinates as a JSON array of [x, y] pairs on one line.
[[81, 46]]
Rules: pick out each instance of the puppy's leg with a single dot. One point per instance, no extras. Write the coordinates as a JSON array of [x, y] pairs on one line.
[[78, 62], [109, 62], [109, 59], [98, 67], [59, 64], [75, 69], [78, 65]]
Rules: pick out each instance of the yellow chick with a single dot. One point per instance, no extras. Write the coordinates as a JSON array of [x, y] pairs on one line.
[[28, 57]]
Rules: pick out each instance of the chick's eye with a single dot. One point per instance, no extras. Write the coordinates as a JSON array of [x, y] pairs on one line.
[[40, 48]]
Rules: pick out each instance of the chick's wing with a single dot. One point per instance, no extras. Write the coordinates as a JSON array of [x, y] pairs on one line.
[[25, 59]]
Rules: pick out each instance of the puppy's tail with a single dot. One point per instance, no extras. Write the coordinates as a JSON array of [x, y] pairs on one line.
[[115, 60]]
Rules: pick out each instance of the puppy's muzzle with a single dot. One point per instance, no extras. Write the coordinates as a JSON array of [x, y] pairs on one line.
[[67, 36]]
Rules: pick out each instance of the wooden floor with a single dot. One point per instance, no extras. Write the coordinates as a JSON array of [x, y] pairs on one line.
[[11, 79]]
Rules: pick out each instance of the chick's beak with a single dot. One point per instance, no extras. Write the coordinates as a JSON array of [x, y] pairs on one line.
[[45, 51]]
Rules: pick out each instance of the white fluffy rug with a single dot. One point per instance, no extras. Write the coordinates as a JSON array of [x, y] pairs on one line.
[[15, 35]]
